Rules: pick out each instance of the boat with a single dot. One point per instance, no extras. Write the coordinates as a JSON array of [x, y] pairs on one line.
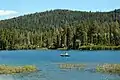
[[65, 54]]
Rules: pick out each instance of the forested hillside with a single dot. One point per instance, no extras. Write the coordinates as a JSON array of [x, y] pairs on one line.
[[61, 29]]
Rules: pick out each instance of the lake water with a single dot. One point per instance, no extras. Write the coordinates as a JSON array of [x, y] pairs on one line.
[[48, 62]]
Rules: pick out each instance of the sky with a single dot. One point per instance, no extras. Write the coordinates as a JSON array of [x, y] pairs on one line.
[[13, 8]]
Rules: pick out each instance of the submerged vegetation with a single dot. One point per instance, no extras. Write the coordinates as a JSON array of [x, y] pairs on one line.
[[72, 66], [31, 69], [62, 29], [105, 68], [4, 69], [109, 68]]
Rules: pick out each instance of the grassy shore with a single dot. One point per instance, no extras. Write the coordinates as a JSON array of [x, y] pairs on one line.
[[98, 47], [87, 47]]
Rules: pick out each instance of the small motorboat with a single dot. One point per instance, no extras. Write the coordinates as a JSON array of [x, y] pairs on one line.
[[65, 54]]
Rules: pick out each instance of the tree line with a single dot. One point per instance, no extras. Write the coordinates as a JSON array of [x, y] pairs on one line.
[[60, 29]]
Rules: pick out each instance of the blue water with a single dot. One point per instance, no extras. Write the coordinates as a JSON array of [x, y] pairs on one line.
[[48, 62]]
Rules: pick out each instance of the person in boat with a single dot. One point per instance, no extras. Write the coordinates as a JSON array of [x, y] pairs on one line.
[[65, 54]]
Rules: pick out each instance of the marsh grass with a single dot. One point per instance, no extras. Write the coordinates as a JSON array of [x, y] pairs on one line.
[[5, 69], [105, 68], [72, 66], [109, 68]]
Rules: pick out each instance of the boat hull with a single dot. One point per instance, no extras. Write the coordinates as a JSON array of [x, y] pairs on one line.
[[65, 55]]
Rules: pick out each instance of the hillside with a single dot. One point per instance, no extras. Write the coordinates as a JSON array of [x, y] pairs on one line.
[[56, 18], [60, 28]]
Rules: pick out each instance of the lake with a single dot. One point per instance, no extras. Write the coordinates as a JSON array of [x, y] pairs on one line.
[[48, 61]]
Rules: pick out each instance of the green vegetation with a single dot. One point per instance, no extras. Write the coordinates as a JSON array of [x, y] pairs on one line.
[[4, 69], [103, 68], [109, 68], [72, 66], [98, 47], [62, 29]]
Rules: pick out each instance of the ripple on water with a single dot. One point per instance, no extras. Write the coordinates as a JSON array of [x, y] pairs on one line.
[[48, 62], [6, 77]]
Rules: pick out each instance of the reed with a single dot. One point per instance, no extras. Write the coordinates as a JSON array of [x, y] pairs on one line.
[[71, 66], [109, 68], [5, 69]]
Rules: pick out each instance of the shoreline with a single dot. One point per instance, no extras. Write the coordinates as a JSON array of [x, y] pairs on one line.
[[81, 48]]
